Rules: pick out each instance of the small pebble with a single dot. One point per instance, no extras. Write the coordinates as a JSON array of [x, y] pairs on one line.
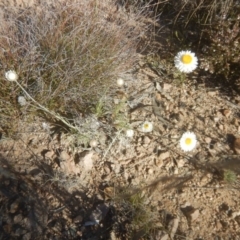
[[226, 112]]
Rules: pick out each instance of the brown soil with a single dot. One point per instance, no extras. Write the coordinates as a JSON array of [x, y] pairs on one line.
[[53, 189]]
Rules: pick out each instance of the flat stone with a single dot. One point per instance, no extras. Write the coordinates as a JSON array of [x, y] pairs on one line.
[[164, 155], [167, 86], [212, 93], [208, 140], [181, 163], [226, 112], [194, 215], [146, 140]]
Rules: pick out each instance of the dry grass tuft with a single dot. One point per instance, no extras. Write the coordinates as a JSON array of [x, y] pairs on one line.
[[67, 54]]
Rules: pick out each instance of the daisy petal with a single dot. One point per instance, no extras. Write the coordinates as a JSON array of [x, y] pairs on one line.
[[188, 141], [186, 61]]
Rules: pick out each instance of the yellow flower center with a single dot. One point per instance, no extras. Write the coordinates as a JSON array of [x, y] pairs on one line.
[[188, 141], [186, 58], [146, 126]]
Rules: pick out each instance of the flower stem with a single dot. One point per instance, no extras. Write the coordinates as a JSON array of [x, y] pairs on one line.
[[46, 110]]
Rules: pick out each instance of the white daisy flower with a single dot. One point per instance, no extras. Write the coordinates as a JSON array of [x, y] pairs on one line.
[[188, 141], [45, 126], [22, 101], [147, 127], [120, 82], [93, 143], [130, 133], [11, 76], [186, 61]]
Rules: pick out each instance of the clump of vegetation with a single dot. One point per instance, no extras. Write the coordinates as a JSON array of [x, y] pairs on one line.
[[67, 55], [229, 176], [136, 218], [210, 29]]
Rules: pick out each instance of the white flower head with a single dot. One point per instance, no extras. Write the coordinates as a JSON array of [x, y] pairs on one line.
[[22, 101], [45, 126], [147, 127], [93, 143], [120, 82], [129, 133], [11, 76], [186, 61], [188, 141]]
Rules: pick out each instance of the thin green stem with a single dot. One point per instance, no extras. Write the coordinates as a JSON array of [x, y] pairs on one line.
[[46, 110]]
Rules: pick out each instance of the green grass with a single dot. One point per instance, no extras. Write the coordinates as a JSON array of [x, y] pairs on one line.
[[229, 176]]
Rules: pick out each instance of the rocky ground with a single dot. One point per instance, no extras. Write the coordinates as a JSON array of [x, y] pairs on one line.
[[116, 187], [53, 188]]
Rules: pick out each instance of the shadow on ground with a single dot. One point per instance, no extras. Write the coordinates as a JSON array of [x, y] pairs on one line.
[[43, 210]]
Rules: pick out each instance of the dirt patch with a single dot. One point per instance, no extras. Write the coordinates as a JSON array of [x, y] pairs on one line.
[[51, 186]]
